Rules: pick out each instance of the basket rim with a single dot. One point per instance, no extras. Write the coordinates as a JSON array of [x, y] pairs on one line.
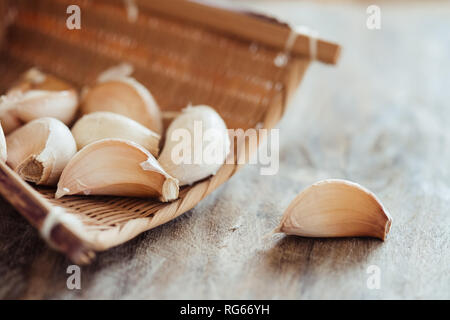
[[250, 25]]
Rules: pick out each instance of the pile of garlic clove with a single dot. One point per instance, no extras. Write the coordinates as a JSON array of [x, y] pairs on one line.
[[112, 149]]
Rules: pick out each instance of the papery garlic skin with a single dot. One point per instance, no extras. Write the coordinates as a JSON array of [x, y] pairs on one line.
[[35, 79], [336, 208], [103, 125], [40, 150], [208, 118], [116, 167], [125, 96], [3, 149], [117, 71]]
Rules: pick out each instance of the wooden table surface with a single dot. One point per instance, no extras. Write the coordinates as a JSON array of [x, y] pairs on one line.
[[380, 118]]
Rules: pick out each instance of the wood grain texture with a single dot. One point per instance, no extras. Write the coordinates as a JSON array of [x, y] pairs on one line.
[[380, 119]]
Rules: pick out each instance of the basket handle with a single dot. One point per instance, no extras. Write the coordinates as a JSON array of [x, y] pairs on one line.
[[36, 209]]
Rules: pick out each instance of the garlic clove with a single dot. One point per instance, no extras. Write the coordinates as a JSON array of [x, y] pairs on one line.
[[3, 153], [102, 125], [336, 208], [195, 120], [116, 167], [38, 95], [125, 96], [40, 150], [8, 115], [35, 104]]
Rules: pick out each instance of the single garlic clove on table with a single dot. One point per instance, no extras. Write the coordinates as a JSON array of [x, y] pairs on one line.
[[336, 208], [3, 153], [125, 96], [119, 168], [200, 134], [102, 125], [40, 150]]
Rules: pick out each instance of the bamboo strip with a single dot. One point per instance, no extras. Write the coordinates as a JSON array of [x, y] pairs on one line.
[[249, 26]]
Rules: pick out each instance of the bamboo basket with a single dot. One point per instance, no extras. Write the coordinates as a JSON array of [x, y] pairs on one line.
[[184, 52]]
